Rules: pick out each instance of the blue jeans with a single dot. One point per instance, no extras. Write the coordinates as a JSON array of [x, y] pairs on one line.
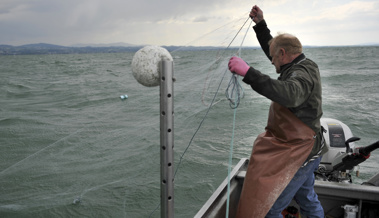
[[301, 189]]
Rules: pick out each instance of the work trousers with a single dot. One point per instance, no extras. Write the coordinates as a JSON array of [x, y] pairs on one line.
[[300, 188]]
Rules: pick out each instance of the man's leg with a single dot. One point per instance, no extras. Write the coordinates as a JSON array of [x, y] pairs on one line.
[[307, 198], [302, 176]]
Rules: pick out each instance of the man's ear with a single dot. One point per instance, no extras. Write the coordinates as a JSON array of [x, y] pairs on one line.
[[282, 51]]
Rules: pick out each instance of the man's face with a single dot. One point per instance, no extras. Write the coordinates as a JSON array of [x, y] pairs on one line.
[[275, 58]]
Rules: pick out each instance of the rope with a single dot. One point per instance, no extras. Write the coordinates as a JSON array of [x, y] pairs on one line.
[[230, 161], [222, 53], [210, 106], [236, 88], [201, 123], [234, 92]]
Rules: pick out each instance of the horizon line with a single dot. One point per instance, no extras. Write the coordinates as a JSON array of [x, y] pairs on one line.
[[126, 45]]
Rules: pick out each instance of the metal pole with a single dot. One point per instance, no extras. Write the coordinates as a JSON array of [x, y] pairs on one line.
[[167, 138]]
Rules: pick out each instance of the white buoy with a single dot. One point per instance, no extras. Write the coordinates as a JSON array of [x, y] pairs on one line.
[[145, 64], [123, 97]]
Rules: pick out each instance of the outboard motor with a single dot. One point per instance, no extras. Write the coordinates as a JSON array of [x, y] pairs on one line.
[[343, 156]]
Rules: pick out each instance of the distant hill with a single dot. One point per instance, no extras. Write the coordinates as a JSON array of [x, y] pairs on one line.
[[41, 46], [44, 48], [117, 44]]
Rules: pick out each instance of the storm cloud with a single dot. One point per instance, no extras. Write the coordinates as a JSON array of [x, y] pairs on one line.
[[169, 22]]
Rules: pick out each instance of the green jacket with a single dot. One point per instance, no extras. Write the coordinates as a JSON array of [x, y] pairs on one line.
[[298, 87]]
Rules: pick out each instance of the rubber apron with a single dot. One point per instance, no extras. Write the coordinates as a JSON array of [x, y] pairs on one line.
[[277, 155]]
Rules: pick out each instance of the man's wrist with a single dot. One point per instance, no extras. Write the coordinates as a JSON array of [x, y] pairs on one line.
[[256, 20], [260, 24]]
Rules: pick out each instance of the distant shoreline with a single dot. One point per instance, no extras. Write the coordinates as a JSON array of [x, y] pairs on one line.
[[43, 48]]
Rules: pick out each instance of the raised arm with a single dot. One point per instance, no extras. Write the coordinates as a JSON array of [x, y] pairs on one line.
[[261, 30]]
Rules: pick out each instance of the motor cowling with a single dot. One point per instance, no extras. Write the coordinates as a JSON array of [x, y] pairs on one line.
[[336, 133]]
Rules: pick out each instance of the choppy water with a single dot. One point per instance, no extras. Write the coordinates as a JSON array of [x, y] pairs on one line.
[[70, 147]]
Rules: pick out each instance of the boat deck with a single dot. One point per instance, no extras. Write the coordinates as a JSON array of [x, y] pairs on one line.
[[333, 196]]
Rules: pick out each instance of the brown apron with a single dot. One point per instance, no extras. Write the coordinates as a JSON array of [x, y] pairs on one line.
[[277, 155]]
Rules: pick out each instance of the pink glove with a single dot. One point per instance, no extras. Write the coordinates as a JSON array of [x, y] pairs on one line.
[[238, 66]]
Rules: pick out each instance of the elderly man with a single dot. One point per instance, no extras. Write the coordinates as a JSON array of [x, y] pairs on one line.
[[285, 156]]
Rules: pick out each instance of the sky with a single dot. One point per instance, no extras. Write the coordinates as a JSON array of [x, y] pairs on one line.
[[185, 22]]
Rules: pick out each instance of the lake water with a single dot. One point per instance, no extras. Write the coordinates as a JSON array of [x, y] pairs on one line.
[[70, 147]]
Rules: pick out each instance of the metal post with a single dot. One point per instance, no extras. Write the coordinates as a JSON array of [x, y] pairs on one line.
[[167, 138]]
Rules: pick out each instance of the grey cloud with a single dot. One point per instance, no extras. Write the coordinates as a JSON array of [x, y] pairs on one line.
[[20, 21], [201, 19]]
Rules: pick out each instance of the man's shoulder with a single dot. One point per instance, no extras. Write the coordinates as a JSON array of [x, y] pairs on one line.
[[306, 69], [305, 65], [308, 63]]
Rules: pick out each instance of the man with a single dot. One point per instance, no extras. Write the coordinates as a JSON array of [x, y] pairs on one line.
[[285, 156]]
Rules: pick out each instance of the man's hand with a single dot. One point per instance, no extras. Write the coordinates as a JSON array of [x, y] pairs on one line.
[[238, 66], [256, 14]]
